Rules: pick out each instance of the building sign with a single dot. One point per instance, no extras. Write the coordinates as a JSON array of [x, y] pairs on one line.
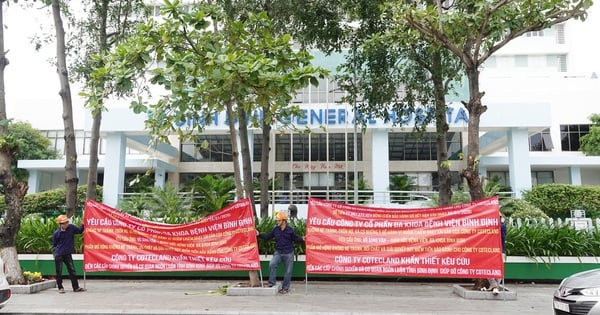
[[318, 166], [458, 241], [340, 116], [116, 241]]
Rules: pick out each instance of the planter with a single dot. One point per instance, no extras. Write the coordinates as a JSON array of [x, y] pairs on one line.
[[32, 288], [515, 268]]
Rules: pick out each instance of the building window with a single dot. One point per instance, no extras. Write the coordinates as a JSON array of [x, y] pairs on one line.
[[535, 34], [541, 141], [521, 61], [503, 178], [317, 147], [570, 134], [188, 179], [327, 91], [408, 146], [542, 177], [560, 33], [207, 148]]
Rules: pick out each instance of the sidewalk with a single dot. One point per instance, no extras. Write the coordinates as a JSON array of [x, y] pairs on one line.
[[318, 297]]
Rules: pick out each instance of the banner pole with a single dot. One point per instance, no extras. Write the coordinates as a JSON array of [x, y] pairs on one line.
[[305, 283]]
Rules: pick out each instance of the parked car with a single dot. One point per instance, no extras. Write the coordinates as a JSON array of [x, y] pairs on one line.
[[578, 294], [4, 286]]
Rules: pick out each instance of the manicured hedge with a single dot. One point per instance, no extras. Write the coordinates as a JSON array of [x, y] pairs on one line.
[[50, 202], [557, 200]]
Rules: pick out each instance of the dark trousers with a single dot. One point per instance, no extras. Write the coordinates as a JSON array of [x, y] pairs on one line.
[[67, 260]]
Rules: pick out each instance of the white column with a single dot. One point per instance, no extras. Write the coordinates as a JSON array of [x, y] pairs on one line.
[[114, 168], [159, 177], [380, 166], [575, 175], [34, 181], [519, 166]]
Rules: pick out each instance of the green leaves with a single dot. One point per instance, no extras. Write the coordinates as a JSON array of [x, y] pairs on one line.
[[590, 143], [546, 240]]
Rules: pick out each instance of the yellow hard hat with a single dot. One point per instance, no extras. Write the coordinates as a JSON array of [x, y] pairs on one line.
[[281, 216], [62, 219]]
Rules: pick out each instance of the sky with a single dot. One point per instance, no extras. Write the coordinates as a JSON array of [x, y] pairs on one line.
[[32, 85]]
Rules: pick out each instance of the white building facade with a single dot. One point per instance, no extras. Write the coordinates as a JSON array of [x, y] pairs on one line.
[[537, 110]]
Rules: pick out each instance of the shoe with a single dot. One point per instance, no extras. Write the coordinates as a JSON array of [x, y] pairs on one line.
[[79, 290], [270, 285], [282, 291], [61, 291]]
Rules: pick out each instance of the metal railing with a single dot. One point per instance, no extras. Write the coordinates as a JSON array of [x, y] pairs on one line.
[[366, 197]]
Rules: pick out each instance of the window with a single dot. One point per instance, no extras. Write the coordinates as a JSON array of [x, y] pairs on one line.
[[328, 91], [557, 62], [560, 33], [317, 147], [541, 141], [405, 146], [535, 34], [570, 134], [207, 148], [521, 61], [503, 178], [187, 179], [542, 177]]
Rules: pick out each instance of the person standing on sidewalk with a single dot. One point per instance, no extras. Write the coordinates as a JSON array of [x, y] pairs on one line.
[[285, 237], [495, 283], [63, 240]]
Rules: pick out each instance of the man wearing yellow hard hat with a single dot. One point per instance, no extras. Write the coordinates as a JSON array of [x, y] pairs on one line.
[[285, 237], [63, 240]]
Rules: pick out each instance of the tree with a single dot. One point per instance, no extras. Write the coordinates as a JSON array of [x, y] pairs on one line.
[[105, 24], [14, 191], [590, 143], [474, 30], [382, 62], [71, 179], [32, 146], [237, 66], [393, 70]]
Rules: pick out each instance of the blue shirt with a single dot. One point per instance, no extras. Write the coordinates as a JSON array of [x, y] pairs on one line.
[[284, 240], [64, 241]]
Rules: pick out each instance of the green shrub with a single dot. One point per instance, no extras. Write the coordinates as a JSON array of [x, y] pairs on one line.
[[35, 235], [541, 240], [265, 225], [520, 209], [557, 200], [50, 202]]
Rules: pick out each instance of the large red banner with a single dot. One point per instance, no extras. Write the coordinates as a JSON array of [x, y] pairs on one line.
[[458, 241], [116, 241]]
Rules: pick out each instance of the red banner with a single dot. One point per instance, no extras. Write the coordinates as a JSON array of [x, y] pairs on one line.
[[116, 241], [458, 241]]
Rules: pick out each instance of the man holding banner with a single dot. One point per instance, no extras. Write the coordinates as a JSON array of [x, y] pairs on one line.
[[285, 237]]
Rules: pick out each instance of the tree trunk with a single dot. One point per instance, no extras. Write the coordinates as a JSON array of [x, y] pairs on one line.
[[13, 191], [264, 169], [248, 179], [476, 109], [443, 165], [71, 179], [92, 181], [239, 190]]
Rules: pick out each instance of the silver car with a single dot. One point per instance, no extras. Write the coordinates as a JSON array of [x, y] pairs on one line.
[[578, 294], [4, 286]]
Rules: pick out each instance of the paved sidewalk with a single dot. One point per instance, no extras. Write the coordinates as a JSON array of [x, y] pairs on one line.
[[318, 297]]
